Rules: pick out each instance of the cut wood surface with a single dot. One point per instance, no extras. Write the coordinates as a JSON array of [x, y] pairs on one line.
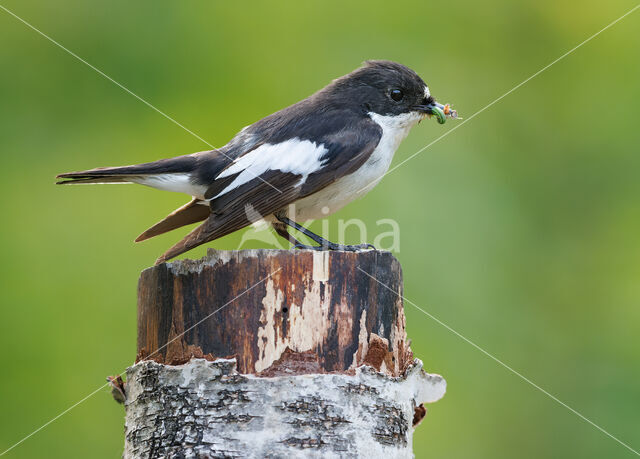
[[253, 305]]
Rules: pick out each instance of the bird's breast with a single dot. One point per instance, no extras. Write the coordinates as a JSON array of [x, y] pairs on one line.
[[350, 187]]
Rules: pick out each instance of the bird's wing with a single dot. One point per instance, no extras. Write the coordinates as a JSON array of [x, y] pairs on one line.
[[274, 175]]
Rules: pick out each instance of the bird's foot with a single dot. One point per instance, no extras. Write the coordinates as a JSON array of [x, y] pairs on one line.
[[333, 246]]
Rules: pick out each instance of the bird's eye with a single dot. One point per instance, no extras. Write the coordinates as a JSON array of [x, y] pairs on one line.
[[396, 95]]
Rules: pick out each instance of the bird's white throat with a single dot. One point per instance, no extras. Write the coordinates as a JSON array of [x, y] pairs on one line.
[[360, 182], [394, 130]]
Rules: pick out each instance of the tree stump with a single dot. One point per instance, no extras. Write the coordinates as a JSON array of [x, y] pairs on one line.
[[272, 353]]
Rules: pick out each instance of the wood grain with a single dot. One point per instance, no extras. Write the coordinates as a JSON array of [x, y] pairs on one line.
[[256, 304]]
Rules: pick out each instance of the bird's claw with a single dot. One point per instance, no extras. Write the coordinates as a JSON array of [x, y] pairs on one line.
[[308, 247], [333, 246]]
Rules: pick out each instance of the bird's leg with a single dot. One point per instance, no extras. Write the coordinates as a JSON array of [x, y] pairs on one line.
[[281, 230], [324, 244]]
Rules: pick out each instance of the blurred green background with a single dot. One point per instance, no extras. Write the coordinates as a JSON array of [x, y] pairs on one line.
[[520, 230]]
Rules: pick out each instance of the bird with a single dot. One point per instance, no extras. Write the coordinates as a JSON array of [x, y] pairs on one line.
[[301, 163]]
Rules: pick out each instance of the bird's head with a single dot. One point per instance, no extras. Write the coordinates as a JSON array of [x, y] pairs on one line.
[[388, 89]]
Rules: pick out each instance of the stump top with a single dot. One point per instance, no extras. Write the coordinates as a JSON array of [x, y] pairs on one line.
[[256, 304]]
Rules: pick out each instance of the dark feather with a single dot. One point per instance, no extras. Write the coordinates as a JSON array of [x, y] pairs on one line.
[[102, 179], [191, 212], [180, 164]]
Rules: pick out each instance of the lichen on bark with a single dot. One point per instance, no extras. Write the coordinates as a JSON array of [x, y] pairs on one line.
[[206, 409]]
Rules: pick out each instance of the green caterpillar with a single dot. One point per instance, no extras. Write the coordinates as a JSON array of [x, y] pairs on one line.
[[437, 111]]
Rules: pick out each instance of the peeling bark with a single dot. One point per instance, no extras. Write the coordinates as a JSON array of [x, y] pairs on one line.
[[301, 300], [208, 409], [303, 355]]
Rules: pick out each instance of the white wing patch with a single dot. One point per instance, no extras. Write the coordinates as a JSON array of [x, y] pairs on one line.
[[427, 94], [300, 157]]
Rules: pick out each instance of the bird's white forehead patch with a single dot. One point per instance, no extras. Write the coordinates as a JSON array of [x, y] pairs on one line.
[[300, 157], [427, 94]]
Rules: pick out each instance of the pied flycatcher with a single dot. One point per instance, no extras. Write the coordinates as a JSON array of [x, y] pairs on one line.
[[301, 163]]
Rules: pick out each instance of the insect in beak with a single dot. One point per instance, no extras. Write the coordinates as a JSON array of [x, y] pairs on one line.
[[441, 112]]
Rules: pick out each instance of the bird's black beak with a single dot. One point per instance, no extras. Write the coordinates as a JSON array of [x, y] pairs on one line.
[[441, 112]]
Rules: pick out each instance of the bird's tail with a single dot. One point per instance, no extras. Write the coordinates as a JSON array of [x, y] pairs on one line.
[[128, 174]]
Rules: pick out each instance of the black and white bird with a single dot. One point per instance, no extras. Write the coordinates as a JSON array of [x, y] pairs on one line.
[[301, 163]]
